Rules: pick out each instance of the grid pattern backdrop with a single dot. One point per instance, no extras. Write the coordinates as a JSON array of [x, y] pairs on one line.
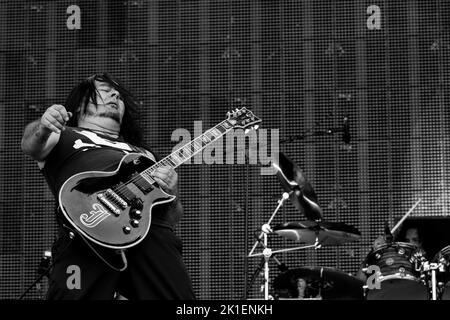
[[297, 64]]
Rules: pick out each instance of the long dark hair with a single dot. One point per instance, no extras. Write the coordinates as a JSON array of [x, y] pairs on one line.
[[85, 92]]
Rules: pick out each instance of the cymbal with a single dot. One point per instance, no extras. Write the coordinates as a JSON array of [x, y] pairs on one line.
[[300, 191], [329, 283], [327, 233], [443, 256]]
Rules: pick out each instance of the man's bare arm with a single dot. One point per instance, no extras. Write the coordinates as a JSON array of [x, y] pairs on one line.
[[42, 135]]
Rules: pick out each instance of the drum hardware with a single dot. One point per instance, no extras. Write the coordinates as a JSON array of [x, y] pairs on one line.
[[268, 252], [408, 278], [266, 227], [439, 272], [400, 264], [301, 194], [407, 274], [314, 233], [399, 267], [431, 269]]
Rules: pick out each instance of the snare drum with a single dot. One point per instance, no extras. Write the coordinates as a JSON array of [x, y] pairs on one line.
[[398, 267], [443, 257]]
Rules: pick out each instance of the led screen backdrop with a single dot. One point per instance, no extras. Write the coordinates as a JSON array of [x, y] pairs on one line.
[[301, 66]]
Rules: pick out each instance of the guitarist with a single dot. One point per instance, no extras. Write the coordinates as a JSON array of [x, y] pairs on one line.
[[92, 131]]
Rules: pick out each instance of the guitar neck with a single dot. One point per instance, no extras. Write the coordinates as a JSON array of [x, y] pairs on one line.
[[190, 149]]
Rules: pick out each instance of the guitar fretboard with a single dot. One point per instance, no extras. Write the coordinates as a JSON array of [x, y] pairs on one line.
[[190, 149]]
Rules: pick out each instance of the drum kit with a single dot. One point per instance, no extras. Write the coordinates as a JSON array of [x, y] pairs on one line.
[[402, 272], [391, 271]]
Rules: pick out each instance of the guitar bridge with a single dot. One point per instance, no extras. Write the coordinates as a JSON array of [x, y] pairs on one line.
[[116, 198], [108, 204]]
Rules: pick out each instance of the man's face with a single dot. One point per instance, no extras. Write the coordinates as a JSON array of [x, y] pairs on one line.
[[109, 104], [412, 236]]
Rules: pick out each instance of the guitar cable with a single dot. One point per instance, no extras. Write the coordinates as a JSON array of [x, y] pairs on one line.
[[122, 254]]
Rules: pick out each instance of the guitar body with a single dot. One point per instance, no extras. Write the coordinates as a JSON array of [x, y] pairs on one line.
[[113, 208]]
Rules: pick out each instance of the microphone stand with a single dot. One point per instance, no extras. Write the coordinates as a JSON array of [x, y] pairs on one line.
[[45, 273]]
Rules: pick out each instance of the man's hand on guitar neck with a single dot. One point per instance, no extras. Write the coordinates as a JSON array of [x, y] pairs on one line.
[[167, 178]]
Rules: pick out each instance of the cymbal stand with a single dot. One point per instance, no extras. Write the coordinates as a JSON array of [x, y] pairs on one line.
[[267, 252]]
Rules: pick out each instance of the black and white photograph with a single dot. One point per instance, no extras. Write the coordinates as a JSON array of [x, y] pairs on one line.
[[232, 157]]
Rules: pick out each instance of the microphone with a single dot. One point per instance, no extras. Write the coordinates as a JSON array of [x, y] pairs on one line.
[[346, 131]]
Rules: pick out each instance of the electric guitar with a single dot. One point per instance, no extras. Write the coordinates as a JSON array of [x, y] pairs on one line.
[[114, 208]]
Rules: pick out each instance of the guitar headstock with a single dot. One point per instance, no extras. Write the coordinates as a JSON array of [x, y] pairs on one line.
[[243, 118]]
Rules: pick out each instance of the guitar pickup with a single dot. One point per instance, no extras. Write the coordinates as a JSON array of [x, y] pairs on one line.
[[142, 183]]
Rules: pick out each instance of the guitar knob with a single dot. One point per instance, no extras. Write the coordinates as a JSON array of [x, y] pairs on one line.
[[137, 204], [134, 223], [135, 214], [126, 230]]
